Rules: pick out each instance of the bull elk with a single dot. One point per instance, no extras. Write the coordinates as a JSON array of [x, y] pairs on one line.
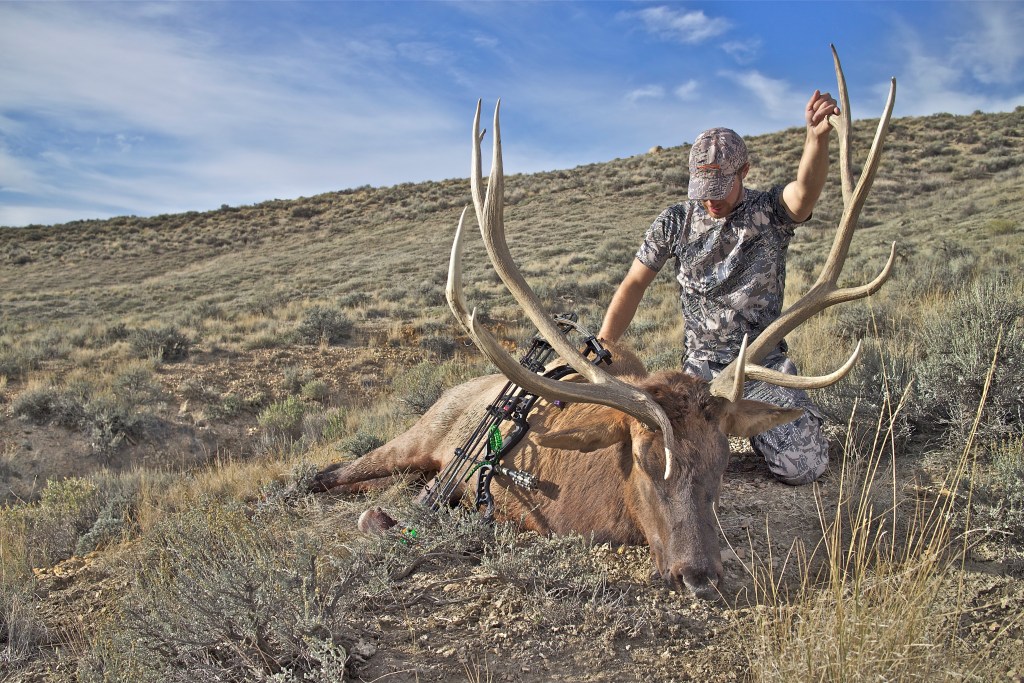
[[634, 458]]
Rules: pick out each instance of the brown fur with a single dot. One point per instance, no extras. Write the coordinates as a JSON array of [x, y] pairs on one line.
[[601, 472]]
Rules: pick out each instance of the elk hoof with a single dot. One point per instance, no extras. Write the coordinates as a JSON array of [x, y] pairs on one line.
[[375, 521], [325, 479]]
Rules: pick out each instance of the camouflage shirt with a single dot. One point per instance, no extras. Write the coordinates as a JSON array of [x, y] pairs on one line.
[[731, 271]]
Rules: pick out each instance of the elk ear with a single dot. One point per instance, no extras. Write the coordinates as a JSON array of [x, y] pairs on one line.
[[747, 418], [611, 428]]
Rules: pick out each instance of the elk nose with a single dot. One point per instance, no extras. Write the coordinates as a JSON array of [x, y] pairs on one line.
[[703, 583]]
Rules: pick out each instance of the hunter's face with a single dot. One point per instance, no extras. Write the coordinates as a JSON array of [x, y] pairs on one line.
[[720, 208]]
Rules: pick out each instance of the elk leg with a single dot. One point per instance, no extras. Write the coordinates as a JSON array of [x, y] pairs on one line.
[[402, 455]]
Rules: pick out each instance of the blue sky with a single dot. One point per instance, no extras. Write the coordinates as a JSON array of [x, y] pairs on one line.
[[146, 108]]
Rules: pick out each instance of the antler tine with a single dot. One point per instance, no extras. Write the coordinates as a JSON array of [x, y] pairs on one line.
[[476, 174], [824, 292], [757, 372], [453, 291], [735, 393], [843, 126], [603, 389], [851, 209]]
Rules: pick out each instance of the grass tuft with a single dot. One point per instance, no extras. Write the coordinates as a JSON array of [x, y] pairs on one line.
[[864, 607]]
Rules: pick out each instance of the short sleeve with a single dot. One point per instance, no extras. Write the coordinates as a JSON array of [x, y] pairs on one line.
[[659, 241], [777, 213]]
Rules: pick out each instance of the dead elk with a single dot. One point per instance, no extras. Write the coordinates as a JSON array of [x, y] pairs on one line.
[[655, 446]]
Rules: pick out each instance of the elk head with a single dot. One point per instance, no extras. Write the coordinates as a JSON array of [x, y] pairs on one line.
[[671, 418]]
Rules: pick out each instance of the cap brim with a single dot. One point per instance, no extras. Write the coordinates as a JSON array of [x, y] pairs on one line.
[[713, 186]]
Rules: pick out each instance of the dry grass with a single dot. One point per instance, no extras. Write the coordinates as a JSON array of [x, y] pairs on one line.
[[881, 597]]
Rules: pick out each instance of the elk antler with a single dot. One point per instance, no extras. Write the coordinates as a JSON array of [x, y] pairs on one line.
[[824, 292], [603, 389]]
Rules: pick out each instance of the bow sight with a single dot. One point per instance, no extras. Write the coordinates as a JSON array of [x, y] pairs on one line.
[[482, 452]]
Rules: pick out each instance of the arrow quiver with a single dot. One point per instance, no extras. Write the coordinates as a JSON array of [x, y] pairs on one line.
[[505, 423]]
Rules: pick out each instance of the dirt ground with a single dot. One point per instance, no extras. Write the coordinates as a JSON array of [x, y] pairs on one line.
[[452, 620], [458, 621], [184, 435]]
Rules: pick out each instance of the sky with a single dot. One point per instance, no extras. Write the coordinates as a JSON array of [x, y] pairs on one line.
[[147, 108]]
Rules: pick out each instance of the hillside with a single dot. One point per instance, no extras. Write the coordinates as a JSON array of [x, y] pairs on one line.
[[160, 376]]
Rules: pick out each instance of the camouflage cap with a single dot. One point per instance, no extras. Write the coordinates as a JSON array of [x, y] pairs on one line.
[[715, 158]]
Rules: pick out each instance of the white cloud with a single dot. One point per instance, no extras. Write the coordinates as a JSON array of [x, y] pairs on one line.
[[487, 42], [139, 119], [991, 44], [933, 80], [777, 99], [687, 27], [647, 92], [16, 175], [142, 108], [745, 51], [687, 91]]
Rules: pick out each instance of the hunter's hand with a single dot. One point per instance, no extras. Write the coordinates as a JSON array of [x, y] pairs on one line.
[[819, 107]]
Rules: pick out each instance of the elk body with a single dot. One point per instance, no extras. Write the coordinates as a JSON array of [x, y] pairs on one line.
[[600, 471], [632, 458]]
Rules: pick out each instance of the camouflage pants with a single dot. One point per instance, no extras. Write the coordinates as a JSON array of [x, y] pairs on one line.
[[796, 452]]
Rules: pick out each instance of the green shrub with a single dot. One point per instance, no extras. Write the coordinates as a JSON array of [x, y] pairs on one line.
[[17, 362], [66, 509], [111, 524], [266, 340], [878, 387], [227, 406], [193, 389], [333, 426], [999, 500], [354, 299], [362, 442], [440, 346], [664, 359], [293, 377], [137, 381], [164, 344], [1007, 491], [316, 390], [98, 336], [266, 304], [220, 597], [324, 325], [305, 211], [297, 484], [957, 346], [200, 312], [283, 418], [42, 404], [420, 386], [35, 404], [109, 419]]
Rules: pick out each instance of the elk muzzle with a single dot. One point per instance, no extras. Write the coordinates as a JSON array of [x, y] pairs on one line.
[[704, 580]]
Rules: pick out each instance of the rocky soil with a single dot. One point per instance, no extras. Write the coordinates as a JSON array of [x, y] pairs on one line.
[[455, 617]]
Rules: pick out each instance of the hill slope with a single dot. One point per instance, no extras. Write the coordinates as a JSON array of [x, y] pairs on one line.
[[159, 376]]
